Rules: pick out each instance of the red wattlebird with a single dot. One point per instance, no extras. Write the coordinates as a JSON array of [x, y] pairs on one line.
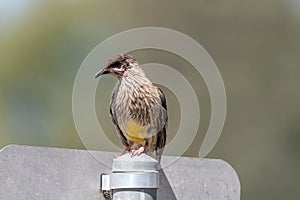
[[138, 108]]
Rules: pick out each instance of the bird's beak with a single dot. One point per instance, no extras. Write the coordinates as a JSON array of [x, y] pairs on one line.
[[101, 72]]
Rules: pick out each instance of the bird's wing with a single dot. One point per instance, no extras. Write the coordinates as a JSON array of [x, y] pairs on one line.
[[157, 112], [119, 131], [162, 136]]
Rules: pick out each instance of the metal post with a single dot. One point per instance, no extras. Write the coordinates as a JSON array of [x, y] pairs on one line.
[[133, 178]]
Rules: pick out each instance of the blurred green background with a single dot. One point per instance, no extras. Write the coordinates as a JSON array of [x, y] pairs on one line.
[[256, 45]]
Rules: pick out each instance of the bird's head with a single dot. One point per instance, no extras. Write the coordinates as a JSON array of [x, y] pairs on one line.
[[118, 66]]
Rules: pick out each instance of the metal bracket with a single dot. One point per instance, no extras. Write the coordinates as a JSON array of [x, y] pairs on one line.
[[138, 180], [132, 177], [105, 182]]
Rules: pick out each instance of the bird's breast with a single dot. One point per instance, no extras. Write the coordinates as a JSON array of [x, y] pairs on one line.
[[136, 132], [136, 109]]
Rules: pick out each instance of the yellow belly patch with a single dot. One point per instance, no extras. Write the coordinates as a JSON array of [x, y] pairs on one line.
[[136, 132]]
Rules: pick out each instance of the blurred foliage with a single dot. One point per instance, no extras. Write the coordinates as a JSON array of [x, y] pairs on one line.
[[254, 43]]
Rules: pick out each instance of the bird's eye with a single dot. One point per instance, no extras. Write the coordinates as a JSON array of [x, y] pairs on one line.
[[117, 65]]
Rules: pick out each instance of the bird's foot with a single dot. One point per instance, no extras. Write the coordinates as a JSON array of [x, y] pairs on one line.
[[137, 152], [126, 150]]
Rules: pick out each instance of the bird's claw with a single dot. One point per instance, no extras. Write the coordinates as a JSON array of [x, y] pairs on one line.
[[126, 150], [137, 152]]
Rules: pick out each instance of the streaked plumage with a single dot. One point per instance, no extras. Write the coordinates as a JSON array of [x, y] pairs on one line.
[[138, 108]]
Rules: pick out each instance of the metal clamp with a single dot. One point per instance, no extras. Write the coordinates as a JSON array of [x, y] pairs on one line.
[[138, 180], [132, 177]]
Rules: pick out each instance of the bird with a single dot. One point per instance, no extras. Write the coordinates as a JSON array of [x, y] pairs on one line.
[[138, 108]]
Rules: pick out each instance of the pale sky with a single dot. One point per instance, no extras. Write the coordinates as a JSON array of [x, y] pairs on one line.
[[12, 11]]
